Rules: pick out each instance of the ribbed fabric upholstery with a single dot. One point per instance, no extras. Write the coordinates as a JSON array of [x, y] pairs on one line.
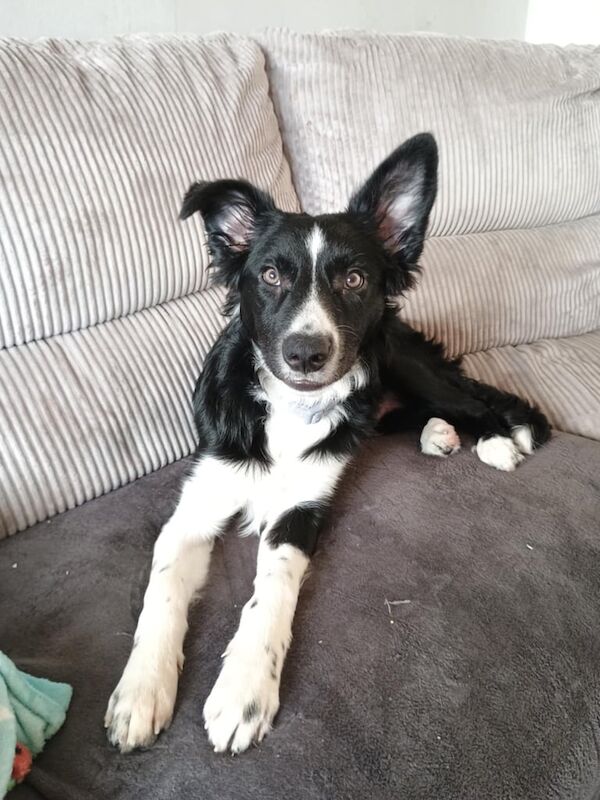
[[514, 253], [509, 287], [86, 412], [98, 143], [518, 125], [105, 317], [561, 375], [104, 312]]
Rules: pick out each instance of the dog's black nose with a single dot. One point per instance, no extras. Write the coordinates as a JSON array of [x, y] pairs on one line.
[[307, 352]]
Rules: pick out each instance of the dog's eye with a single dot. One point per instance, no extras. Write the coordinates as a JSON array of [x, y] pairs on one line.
[[271, 276], [354, 280]]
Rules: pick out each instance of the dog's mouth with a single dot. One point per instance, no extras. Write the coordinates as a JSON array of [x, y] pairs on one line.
[[306, 386]]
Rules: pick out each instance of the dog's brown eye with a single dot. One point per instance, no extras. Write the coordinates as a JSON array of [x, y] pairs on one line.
[[355, 280], [271, 276]]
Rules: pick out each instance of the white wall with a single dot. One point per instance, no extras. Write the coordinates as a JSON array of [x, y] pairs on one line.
[[559, 21], [563, 21], [102, 18]]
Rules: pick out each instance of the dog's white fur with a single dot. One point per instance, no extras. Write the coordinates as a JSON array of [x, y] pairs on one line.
[[522, 437], [439, 438], [245, 698], [499, 452], [312, 316], [143, 701]]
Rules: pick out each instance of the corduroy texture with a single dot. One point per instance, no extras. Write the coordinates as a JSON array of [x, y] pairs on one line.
[[514, 255], [86, 412], [561, 375], [104, 313], [98, 143], [518, 125], [495, 288]]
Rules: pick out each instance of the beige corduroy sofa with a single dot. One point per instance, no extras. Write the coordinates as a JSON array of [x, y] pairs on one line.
[[106, 314]]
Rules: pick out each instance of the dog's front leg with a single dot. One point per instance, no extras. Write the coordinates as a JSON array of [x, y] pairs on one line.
[[245, 698], [142, 704]]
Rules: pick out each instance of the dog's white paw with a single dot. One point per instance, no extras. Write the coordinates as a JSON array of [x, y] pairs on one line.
[[499, 452], [523, 438], [438, 438], [244, 700], [142, 704]]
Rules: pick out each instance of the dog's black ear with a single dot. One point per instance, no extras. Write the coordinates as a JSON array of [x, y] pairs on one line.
[[397, 200], [231, 210]]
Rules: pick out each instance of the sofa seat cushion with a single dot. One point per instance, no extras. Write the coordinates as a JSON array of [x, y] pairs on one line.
[[561, 375], [446, 643]]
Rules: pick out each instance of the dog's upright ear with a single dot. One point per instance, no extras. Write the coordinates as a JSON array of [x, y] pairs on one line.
[[397, 200], [231, 210]]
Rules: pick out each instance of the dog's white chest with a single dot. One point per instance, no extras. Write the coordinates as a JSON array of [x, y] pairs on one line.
[[289, 434], [291, 479]]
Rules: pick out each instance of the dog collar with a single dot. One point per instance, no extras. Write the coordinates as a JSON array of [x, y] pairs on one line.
[[311, 409], [314, 413]]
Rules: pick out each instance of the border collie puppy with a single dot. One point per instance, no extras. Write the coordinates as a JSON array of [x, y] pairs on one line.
[[313, 359]]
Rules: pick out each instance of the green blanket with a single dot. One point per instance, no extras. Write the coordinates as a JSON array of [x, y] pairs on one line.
[[31, 711]]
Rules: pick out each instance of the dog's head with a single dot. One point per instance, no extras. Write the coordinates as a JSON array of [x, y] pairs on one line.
[[311, 290]]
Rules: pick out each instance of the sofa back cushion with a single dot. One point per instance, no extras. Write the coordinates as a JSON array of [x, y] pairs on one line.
[[98, 143], [513, 255], [105, 317]]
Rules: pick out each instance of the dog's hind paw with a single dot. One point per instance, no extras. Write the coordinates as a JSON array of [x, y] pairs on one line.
[[438, 438], [499, 452], [522, 436]]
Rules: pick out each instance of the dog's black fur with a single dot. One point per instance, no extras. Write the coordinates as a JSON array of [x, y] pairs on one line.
[[303, 372], [246, 234]]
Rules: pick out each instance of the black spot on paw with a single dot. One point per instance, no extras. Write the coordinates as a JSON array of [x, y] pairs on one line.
[[250, 711], [254, 603]]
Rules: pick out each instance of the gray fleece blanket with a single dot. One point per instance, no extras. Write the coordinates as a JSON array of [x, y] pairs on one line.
[[446, 645]]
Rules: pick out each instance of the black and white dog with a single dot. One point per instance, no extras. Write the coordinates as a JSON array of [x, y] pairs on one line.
[[313, 352]]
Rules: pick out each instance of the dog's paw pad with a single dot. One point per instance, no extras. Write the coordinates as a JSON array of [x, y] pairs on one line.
[[438, 438], [499, 452]]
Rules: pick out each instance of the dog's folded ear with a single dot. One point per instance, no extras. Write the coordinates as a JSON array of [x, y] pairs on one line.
[[397, 201], [231, 210]]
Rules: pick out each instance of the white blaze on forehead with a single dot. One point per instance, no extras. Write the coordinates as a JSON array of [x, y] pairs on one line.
[[315, 243], [312, 316]]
